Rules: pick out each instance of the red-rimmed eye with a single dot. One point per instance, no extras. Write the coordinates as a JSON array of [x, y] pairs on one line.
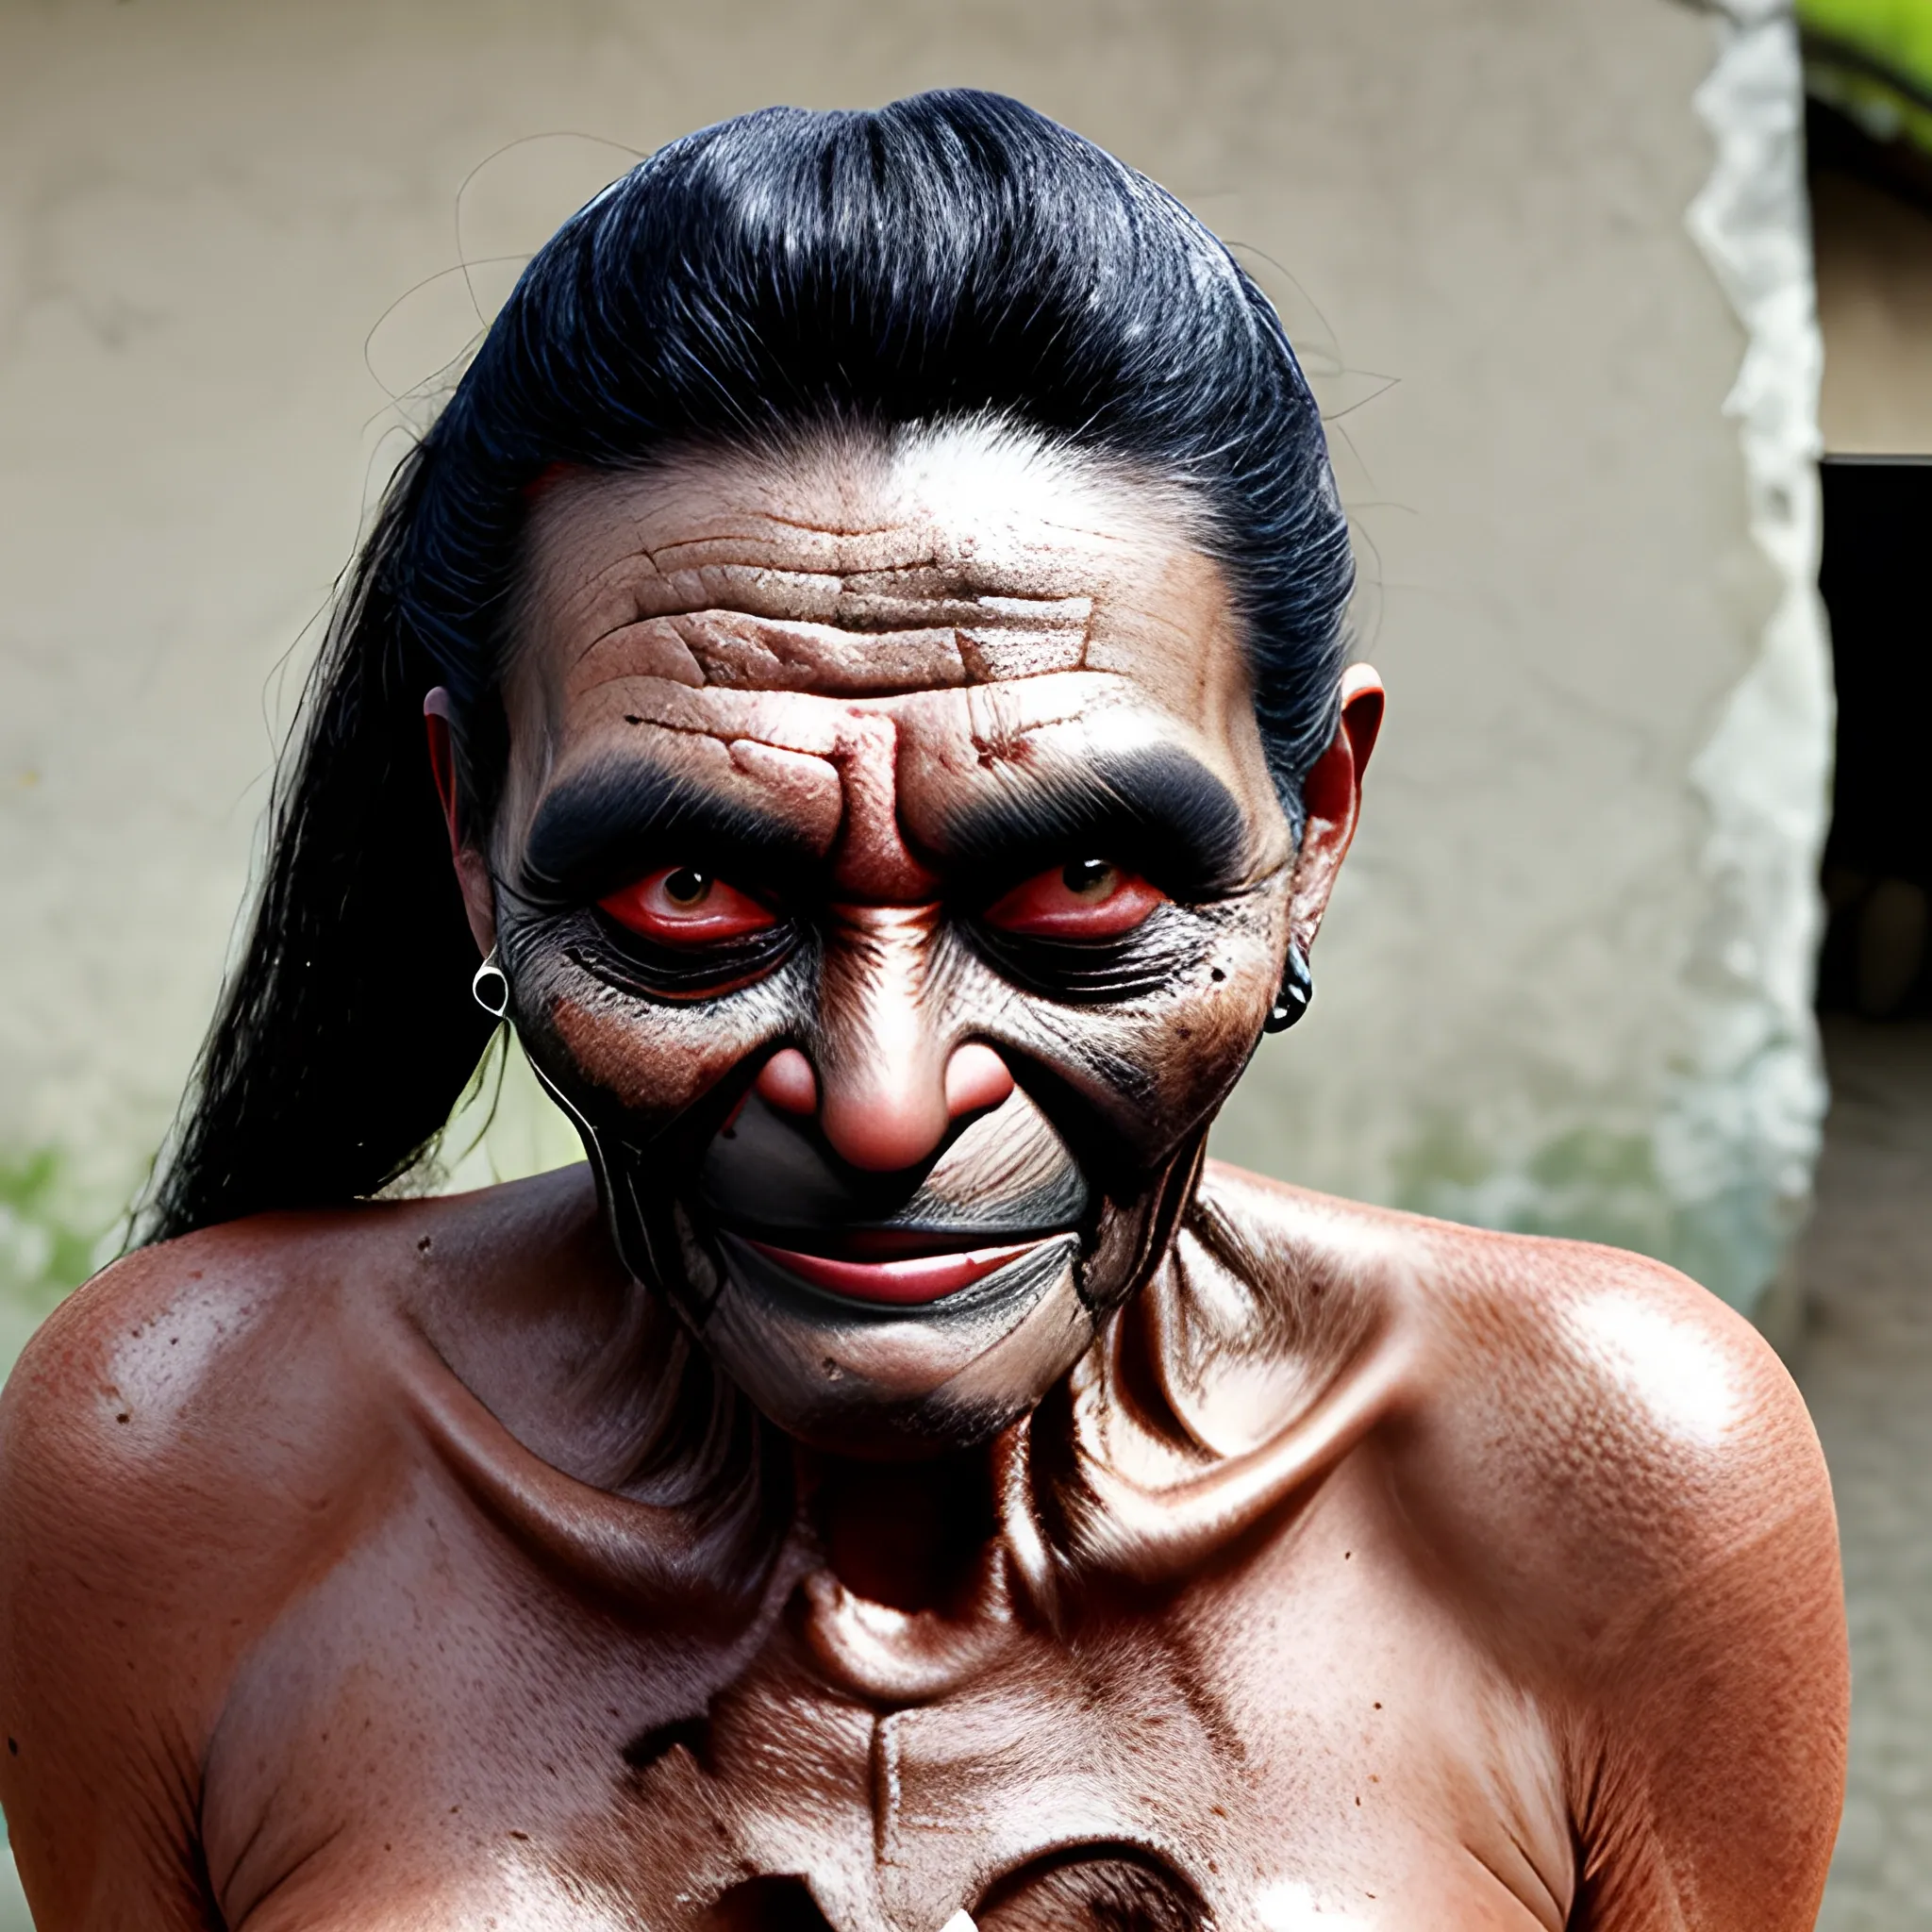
[[1084, 899], [684, 907]]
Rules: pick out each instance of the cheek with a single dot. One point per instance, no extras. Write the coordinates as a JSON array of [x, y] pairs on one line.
[[653, 1060], [1153, 1068], [648, 1065]]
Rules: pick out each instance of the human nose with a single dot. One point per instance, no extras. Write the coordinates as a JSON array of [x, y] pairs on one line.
[[885, 1089]]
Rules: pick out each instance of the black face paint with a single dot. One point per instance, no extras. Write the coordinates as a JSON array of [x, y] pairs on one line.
[[1153, 809], [1037, 1217], [1049, 1174], [1098, 972], [605, 827], [651, 970]]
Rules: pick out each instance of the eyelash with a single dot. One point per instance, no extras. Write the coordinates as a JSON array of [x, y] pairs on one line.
[[635, 962], [1077, 967], [1089, 972]]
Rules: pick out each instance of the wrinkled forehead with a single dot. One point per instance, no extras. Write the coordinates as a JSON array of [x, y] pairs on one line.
[[948, 588]]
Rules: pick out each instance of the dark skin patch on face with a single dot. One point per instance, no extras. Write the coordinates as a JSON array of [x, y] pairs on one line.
[[602, 827], [1154, 808]]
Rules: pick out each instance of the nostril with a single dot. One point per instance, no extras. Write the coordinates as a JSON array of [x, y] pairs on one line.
[[786, 1082], [976, 1078]]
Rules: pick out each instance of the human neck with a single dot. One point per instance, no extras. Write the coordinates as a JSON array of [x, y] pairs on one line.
[[905, 1534]]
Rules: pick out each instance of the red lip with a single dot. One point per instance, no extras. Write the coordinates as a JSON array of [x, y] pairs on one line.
[[908, 1283]]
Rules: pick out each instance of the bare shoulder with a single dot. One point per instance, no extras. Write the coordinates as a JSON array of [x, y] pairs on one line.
[[1619, 1493], [147, 1356], [239, 1358], [1555, 1377], [191, 1440], [205, 1421], [1635, 1443], [152, 1419]]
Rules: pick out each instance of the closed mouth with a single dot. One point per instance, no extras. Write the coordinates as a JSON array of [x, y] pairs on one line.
[[908, 1280]]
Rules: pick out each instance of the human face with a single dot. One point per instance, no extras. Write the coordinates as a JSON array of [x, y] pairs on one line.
[[889, 878]]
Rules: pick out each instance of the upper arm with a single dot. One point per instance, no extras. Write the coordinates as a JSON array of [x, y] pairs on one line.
[[1710, 1767], [148, 1456], [100, 1780], [1635, 1505], [1709, 1770]]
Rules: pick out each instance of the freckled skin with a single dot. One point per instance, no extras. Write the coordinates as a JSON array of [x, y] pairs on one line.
[[1279, 1563]]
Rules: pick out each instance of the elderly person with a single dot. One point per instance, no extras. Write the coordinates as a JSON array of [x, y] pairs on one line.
[[874, 607]]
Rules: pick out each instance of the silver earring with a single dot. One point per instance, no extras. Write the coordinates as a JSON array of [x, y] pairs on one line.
[[1297, 989], [489, 987]]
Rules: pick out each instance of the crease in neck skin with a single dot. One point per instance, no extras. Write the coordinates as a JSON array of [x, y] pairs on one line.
[[701, 1512]]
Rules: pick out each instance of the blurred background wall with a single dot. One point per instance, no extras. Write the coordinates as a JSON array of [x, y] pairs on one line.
[[229, 240], [1565, 982]]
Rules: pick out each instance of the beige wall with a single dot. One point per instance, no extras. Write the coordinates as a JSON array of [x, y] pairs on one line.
[[1472, 214]]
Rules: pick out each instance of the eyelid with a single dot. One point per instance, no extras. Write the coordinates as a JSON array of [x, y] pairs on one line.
[[1155, 808], [725, 911], [1042, 905], [679, 976], [986, 877]]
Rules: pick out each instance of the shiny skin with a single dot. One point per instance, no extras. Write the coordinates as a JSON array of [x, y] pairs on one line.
[[416, 1565], [890, 692]]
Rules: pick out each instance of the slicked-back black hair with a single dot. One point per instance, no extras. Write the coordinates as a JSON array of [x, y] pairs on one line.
[[951, 255]]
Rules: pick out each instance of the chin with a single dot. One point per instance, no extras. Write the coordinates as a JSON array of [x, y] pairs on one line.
[[895, 1314], [864, 1376]]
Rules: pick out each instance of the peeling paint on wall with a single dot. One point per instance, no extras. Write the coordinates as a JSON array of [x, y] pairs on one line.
[[205, 210], [1671, 1100], [1740, 1134]]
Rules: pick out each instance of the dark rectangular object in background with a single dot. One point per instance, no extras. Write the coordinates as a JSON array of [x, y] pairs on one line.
[[1877, 578]]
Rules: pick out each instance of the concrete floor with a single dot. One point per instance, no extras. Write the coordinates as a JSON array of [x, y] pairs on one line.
[[1865, 1365]]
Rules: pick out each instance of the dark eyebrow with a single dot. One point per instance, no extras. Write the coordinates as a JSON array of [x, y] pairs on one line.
[[1156, 809], [598, 828]]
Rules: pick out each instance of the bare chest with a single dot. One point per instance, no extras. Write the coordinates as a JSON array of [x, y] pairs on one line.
[[439, 1738]]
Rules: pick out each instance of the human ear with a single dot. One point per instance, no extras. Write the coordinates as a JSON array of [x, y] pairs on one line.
[[473, 869], [1332, 801]]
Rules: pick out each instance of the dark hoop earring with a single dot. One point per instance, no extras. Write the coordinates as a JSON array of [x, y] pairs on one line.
[[1297, 989], [489, 987]]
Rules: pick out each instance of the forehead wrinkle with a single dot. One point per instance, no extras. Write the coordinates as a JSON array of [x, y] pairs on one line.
[[998, 710], [552, 609], [1074, 555], [727, 653], [919, 541], [931, 560], [927, 596], [661, 572], [801, 721], [680, 522], [954, 536], [821, 538], [873, 603]]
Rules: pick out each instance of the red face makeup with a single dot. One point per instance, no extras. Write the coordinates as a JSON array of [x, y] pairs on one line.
[[958, 895], [682, 905], [1084, 899]]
